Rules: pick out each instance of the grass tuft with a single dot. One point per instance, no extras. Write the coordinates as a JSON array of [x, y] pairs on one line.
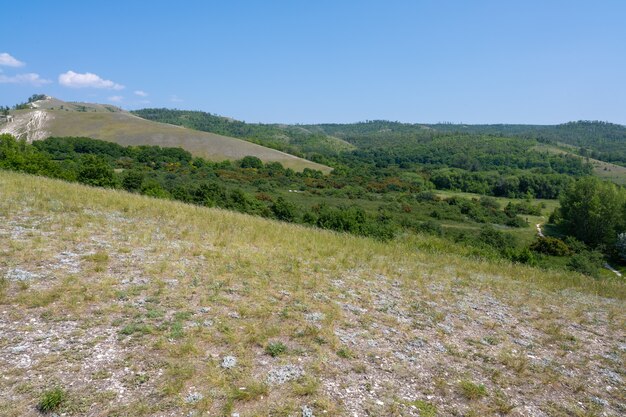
[[52, 399], [275, 349], [471, 390]]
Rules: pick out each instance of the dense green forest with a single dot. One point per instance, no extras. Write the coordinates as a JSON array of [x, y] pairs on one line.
[[598, 140], [383, 193], [479, 163]]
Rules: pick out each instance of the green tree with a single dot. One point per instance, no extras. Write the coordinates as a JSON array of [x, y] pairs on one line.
[[284, 210], [251, 162], [592, 211], [154, 189], [133, 180], [587, 262], [96, 171], [550, 246]]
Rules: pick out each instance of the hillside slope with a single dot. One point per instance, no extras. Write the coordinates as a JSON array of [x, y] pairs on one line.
[[136, 306], [600, 140], [606, 170], [53, 117], [292, 138]]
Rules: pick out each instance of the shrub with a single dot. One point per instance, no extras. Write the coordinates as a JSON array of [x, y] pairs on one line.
[[587, 262], [496, 239], [522, 207], [430, 227], [524, 256], [575, 245], [132, 181], [152, 188], [284, 210], [490, 202], [516, 221], [427, 196], [551, 246], [555, 216]]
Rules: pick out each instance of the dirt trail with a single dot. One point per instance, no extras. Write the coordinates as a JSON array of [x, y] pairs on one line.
[[539, 231], [615, 271]]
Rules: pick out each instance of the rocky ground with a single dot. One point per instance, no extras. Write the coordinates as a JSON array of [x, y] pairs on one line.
[[136, 310]]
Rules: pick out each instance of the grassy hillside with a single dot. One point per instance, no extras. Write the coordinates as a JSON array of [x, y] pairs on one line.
[[602, 169], [53, 117], [116, 304], [293, 139]]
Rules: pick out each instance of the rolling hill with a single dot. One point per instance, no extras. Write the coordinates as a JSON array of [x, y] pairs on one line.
[[294, 139], [145, 307], [606, 170], [603, 143], [600, 140], [53, 117]]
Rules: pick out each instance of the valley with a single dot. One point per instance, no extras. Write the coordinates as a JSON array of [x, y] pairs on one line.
[[423, 273]]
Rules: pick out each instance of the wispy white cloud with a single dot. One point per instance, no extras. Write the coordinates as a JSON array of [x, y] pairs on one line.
[[116, 99], [29, 78], [176, 99], [87, 80], [141, 93], [9, 61]]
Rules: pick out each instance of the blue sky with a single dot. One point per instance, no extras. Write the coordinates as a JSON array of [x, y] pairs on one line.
[[303, 61]]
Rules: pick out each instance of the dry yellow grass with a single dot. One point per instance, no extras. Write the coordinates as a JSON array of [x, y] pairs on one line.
[[132, 304]]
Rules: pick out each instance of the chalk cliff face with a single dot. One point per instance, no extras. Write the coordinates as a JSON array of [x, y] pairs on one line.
[[31, 125]]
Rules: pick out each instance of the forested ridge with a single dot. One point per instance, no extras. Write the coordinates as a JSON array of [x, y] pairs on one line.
[[599, 140]]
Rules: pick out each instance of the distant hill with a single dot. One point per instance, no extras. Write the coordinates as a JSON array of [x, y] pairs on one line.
[[54, 117], [294, 139], [599, 140]]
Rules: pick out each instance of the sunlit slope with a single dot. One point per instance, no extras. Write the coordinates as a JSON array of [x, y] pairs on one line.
[[602, 169], [133, 306], [127, 129], [53, 117]]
